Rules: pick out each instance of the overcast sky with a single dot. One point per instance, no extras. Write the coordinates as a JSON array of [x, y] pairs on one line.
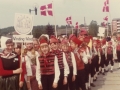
[[78, 9]]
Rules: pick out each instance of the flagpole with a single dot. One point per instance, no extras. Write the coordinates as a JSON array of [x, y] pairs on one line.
[[54, 20], [72, 29], [66, 30]]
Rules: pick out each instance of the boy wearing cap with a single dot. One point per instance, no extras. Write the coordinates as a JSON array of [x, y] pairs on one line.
[[109, 54], [47, 70], [64, 69], [80, 58]]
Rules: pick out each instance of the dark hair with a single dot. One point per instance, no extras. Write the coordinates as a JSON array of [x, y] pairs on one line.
[[9, 41]]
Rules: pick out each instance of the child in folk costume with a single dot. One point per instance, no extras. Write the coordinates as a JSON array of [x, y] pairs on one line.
[[80, 58], [88, 65], [36, 45], [102, 55], [93, 61], [29, 56], [64, 69], [109, 54], [47, 71], [10, 69], [118, 50], [71, 63]]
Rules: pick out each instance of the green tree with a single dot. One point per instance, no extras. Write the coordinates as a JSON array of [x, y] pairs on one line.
[[50, 30], [93, 28]]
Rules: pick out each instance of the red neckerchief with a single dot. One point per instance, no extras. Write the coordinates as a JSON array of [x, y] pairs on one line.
[[45, 59]]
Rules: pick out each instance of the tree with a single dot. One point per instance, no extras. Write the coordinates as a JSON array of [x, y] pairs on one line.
[[93, 28], [49, 30], [38, 31]]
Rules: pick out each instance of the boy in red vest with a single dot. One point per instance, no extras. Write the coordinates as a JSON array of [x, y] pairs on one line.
[[109, 54], [71, 63], [64, 69], [81, 58], [47, 71]]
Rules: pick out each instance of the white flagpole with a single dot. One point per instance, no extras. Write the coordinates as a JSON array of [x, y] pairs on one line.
[[66, 30], [54, 20]]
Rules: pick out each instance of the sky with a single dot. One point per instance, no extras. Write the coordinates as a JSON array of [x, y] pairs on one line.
[[77, 9]]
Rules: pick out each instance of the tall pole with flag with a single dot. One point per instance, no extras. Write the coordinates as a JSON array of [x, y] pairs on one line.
[[106, 9], [69, 22], [47, 10]]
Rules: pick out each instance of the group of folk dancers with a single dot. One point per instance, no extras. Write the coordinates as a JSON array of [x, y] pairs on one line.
[[57, 63]]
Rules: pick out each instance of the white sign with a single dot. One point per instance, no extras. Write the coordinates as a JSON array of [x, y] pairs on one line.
[[22, 38], [23, 23], [101, 31], [3, 41]]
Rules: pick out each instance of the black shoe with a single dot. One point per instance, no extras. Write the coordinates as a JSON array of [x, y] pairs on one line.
[[93, 85], [103, 73], [111, 71], [119, 68], [94, 80], [106, 70], [89, 88]]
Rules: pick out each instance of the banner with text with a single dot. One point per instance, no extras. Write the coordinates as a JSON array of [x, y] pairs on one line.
[[22, 38]]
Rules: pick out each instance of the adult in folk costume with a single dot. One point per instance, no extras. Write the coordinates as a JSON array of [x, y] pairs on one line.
[[71, 63], [29, 56], [110, 52], [10, 69], [64, 68], [47, 71], [81, 58]]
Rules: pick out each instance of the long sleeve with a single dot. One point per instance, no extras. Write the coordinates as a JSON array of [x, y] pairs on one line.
[[99, 54], [57, 70], [88, 54], [4, 72], [74, 64], [38, 74], [84, 58], [66, 67], [23, 72], [28, 66]]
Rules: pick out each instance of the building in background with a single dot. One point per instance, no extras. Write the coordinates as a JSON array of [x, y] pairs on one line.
[[116, 25]]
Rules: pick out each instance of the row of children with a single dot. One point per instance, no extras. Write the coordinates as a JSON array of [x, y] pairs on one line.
[[56, 64]]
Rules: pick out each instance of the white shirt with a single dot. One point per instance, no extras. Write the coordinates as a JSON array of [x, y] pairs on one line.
[[74, 64]]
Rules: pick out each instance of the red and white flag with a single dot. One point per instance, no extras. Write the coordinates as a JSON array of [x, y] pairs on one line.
[[46, 10], [106, 6], [69, 20], [103, 24], [106, 18], [76, 25]]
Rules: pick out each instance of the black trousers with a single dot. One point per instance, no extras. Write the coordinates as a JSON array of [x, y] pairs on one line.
[[60, 82], [80, 80], [70, 84], [96, 63], [87, 68], [92, 65], [118, 56], [47, 82], [109, 59], [102, 61]]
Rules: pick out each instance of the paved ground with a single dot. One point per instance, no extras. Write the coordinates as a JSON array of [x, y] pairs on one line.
[[110, 81]]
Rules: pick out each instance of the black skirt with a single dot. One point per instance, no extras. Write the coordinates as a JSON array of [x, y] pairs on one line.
[[11, 83]]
